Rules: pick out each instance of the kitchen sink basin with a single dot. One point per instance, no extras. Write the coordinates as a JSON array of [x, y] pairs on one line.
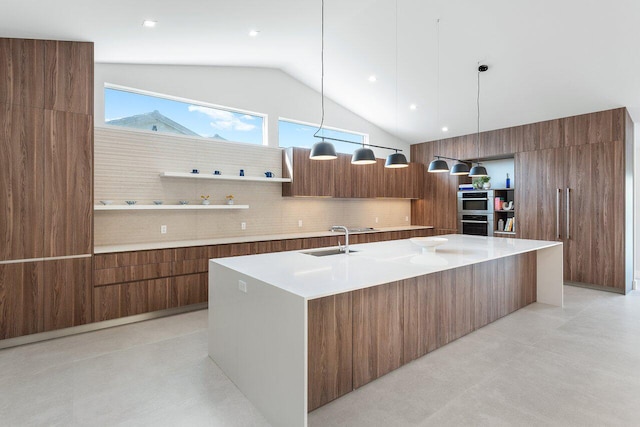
[[327, 252]]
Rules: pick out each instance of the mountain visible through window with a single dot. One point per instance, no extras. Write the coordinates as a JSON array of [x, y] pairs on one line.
[[155, 113]]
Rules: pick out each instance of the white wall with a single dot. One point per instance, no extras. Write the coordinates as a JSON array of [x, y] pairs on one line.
[[264, 90], [498, 170], [636, 207]]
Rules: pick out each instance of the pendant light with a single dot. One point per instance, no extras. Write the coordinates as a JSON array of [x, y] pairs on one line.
[[322, 150], [438, 165], [460, 169], [396, 160], [478, 170], [363, 156]]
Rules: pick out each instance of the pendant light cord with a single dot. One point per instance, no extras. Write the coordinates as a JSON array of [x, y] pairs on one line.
[[478, 105], [438, 77], [396, 68], [315, 135]]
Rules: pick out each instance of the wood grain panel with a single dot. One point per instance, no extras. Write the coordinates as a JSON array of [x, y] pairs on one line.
[[189, 289], [68, 184], [377, 332], [67, 293], [421, 315], [578, 262], [21, 183], [355, 181], [133, 273], [485, 303], [22, 71], [551, 134], [458, 293], [310, 177], [530, 137], [329, 349], [143, 297], [106, 303], [69, 77], [20, 299]]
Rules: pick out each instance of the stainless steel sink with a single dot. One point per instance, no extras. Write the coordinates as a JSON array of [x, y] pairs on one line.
[[327, 252]]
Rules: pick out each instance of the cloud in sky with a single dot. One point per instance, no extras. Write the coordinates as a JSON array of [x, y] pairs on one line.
[[225, 120]]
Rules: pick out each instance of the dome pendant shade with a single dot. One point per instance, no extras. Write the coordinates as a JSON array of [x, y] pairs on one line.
[[460, 169], [438, 166], [396, 160], [323, 150], [363, 156], [478, 171]]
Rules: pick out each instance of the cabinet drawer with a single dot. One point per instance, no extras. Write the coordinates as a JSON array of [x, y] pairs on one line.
[[131, 273], [127, 299]]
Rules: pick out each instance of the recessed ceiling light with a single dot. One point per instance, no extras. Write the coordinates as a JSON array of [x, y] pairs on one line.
[[445, 129], [413, 106], [254, 33], [373, 79], [149, 23]]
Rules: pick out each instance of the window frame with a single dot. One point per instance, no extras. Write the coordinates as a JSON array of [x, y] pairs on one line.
[[265, 117], [365, 136]]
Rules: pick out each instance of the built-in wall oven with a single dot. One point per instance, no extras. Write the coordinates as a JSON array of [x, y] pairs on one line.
[[475, 212]]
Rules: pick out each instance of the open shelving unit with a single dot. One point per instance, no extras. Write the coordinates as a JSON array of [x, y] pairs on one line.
[[508, 195], [222, 177], [166, 207]]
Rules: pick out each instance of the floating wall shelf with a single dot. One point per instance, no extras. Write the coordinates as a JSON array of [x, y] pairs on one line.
[[222, 177], [165, 207]]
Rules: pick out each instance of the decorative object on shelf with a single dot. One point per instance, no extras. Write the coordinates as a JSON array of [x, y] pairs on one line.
[[482, 182], [131, 202], [428, 244], [223, 177], [205, 199], [478, 170], [184, 202], [323, 150], [195, 171], [217, 173], [241, 172], [508, 182], [158, 202], [106, 202], [501, 224], [507, 206], [229, 199], [497, 203], [268, 174]]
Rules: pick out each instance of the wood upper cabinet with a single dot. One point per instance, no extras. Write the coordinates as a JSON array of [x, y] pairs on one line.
[[341, 179], [22, 72], [355, 181], [21, 182], [68, 184], [69, 77], [315, 178], [330, 349]]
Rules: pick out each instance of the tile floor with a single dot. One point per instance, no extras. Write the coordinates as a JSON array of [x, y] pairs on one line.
[[539, 366]]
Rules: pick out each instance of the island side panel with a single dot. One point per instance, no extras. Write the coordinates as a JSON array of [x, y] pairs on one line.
[[550, 275], [330, 348], [258, 338]]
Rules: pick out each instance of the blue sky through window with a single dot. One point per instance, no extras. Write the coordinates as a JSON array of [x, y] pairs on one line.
[[293, 134], [205, 121]]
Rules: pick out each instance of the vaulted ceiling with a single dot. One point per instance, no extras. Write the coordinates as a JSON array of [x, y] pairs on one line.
[[547, 58]]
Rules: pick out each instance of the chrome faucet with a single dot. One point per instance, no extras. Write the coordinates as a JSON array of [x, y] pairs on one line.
[[346, 237]]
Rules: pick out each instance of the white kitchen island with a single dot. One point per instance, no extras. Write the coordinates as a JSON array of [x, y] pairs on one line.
[[283, 323]]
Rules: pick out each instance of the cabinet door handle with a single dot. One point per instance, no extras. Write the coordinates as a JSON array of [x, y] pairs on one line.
[[568, 212], [558, 214]]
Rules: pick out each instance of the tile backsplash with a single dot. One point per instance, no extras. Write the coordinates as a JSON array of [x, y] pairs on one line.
[[128, 166]]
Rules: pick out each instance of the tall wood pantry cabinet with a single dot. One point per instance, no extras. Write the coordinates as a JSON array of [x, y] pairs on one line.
[[46, 185]]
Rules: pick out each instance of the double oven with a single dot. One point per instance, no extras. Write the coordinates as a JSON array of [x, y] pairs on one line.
[[475, 212]]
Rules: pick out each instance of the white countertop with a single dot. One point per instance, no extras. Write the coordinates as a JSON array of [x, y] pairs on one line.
[[374, 263], [105, 249]]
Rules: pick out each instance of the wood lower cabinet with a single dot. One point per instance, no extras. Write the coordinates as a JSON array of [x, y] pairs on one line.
[[21, 299], [66, 293], [330, 367], [189, 289], [377, 332], [128, 299]]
